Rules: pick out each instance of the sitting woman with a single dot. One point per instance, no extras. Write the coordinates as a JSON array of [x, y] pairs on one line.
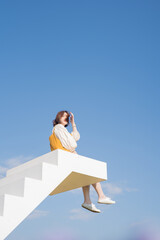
[[62, 139]]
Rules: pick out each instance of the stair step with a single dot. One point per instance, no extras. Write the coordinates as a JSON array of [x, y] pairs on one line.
[[27, 185], [51, 157], [17, 187], [14, 188], [8, 201], [37, 172], [1, 204], [11, 206]]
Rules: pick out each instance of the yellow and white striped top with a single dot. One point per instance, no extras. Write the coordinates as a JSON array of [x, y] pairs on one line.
[[68, 140]]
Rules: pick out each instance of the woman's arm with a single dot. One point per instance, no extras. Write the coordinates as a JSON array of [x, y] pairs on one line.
[[65, 137], [75, 132]]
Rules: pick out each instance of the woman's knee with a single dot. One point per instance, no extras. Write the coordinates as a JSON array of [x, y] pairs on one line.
[[87, 186]]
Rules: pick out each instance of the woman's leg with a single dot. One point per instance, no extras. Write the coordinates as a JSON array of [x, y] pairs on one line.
[[98, 188], [101, 196], [86, 194], [85, 191]]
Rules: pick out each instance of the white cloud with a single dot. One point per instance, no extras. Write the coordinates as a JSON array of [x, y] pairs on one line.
[[38, 214], [111, 188], [13, 162], [3, 170], [80, 214], [131, 189]]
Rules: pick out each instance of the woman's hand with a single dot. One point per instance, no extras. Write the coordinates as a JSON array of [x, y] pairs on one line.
[[72, 118], [75, 152]]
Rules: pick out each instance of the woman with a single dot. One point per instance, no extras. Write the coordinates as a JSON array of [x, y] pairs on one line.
[[62, 139]]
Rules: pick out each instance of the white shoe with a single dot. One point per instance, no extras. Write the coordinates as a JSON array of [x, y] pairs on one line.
[[106, 200], [91, 207]]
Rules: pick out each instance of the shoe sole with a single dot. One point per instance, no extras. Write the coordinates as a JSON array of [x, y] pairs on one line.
[[90, 209], [106, 203]]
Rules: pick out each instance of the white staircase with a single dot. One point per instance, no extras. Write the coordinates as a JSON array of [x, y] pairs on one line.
[[27, 185]]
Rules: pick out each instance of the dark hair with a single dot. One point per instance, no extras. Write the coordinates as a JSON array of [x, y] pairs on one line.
[[58, 116]]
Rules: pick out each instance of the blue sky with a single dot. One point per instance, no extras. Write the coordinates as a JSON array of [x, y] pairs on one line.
[[99, 60]]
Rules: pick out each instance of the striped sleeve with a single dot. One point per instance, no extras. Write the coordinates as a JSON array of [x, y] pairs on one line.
[[75, 134], [65, 137]]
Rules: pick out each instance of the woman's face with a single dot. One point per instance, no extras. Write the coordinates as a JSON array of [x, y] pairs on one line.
[[63, 119]]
